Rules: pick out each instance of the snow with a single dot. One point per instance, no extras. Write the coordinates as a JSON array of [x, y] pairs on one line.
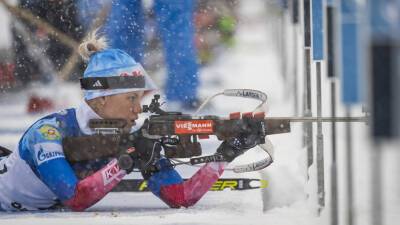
[[290, 197], [5, 39]]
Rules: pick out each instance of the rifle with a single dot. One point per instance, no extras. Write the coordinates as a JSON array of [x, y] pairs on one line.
[[179, 134]]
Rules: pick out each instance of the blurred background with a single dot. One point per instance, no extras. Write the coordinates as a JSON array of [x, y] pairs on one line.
[[329, 66]]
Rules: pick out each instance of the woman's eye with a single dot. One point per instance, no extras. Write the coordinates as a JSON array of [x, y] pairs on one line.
[[132, 98]]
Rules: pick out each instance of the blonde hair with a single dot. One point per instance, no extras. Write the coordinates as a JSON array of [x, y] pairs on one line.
[[91, 44]]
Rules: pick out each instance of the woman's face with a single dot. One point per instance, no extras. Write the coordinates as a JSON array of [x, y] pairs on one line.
[[123, 106]]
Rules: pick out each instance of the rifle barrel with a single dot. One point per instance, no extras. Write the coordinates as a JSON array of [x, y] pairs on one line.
[[321, 119]]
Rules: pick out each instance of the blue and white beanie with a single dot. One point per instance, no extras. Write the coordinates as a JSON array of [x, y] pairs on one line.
[[110, 63]]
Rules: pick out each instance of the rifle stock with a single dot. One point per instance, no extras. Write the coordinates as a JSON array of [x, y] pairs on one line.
[[209, 125]]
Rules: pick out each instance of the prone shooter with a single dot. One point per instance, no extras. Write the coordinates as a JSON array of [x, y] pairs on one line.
[[178, 135]]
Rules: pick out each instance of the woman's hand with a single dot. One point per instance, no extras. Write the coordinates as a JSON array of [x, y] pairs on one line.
[[233, 147]]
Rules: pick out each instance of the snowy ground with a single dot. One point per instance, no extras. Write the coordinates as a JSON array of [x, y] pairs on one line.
[[289, 199]]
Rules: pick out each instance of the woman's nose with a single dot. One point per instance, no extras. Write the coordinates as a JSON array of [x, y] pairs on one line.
[[137, 108]]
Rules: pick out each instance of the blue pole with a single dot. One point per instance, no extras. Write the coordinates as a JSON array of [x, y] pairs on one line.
[[350, 46], [317, 30], [318, 56]]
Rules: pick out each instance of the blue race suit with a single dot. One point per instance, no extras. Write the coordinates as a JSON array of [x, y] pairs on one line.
[[37, 175]]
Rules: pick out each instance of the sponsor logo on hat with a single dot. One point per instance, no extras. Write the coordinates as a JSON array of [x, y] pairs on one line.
[[97, 84]]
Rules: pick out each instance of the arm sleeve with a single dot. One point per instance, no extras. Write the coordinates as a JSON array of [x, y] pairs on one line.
[[94, 187], [169, 186], [54, 170], [50, 163]]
